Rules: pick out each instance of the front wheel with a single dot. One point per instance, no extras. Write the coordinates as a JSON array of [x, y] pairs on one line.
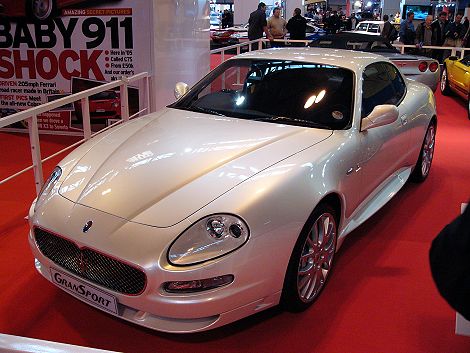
[[423, 165], [468, 107], [445, 89], [311, 260]]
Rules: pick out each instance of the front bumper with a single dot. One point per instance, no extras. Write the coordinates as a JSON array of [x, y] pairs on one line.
[[145, 247]]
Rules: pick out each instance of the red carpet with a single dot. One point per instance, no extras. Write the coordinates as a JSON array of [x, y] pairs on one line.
[[381, 297]]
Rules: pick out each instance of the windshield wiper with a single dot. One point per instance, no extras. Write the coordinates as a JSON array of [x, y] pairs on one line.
[[205, 110], [299, 122]]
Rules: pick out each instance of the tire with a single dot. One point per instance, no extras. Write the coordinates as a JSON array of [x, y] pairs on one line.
[[444, 85], [426, 154], [468, 107], [41, 9], [311, 260]]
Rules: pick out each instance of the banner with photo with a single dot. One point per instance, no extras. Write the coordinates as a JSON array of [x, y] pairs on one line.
[[51, 49]]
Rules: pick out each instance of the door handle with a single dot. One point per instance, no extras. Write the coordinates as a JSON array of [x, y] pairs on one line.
[[358, 168]]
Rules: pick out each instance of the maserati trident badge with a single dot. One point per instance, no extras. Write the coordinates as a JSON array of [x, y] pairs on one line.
[[87, 226]]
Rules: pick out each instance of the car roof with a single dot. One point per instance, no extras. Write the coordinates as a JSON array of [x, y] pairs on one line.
[[353, 60]]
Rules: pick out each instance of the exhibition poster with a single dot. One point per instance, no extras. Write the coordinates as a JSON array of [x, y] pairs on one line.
[[53, 51]]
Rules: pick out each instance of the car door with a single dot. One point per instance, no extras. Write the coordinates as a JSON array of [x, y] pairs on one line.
[[384, 148]]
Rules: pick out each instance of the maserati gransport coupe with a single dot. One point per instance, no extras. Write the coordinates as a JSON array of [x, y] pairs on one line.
[[236, 197]]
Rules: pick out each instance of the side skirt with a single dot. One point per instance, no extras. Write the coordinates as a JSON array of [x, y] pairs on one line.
[[372, 204]]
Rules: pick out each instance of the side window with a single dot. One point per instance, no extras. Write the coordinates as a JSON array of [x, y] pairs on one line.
[[361, 27], [397, 81], [374, 28], [377, 88]]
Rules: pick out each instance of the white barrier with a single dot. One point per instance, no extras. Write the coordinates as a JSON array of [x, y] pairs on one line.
[[260, 42], [10, 344], [30, 115]]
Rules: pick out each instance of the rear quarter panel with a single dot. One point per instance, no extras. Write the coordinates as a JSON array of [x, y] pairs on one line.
[[422, 102]]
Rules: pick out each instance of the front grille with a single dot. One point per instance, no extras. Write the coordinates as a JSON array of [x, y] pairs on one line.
[[90, 265]]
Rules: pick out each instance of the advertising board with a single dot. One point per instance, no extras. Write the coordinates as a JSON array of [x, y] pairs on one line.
[[51, 49]]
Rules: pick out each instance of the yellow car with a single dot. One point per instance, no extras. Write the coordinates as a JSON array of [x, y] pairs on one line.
[[456, 78]]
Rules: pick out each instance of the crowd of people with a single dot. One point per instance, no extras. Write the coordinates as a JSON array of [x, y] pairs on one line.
[[276, 27], [439, 32], [431, 32]]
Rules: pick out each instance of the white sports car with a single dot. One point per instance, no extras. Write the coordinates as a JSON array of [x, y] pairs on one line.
[[236, 197]]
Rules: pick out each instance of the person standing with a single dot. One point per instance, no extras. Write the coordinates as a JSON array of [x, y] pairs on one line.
[[386, 28], [438, 27], [257, 23], [454, 33], [425, 36], [334, 22], [277, 27], [407, 29], [297, 26], [396, 19], [351, 23]]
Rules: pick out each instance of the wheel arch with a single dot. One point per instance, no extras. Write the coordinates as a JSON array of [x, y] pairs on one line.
[[334, 200]]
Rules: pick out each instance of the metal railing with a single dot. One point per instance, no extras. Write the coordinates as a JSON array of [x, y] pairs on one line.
[[453, 50], [31, 117], [258, 43]]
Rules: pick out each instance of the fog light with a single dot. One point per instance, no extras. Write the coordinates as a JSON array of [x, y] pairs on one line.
[[198, 285]]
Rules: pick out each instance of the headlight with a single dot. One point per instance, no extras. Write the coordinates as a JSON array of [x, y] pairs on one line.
[[207, 239], [48, 186]]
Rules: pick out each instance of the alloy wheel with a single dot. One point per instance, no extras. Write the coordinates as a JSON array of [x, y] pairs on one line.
[[428, 150], [316, 258], [443, 80]]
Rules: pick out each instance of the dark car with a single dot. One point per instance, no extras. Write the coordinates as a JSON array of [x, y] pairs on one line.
[[418, 68]]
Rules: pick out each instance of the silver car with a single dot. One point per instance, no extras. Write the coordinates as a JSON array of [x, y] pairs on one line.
[[415, 67], [235, 198]]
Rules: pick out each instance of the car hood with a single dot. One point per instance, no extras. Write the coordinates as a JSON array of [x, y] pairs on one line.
[[164, 167]]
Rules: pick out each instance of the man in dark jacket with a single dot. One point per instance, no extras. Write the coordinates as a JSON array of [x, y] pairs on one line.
[[438, 27], [386, 28], [425, 36], [297, 26], [450, 263], [257, 23]]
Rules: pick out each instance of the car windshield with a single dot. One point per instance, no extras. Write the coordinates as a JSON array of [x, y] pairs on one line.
[[280, 91], [104, 95]]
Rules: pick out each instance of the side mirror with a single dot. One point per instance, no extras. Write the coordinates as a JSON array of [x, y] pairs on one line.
[[181, 89], [381, 115], [453, 58]]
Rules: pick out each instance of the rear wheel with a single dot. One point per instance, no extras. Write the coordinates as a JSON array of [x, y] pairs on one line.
[[311, 260], [423, 166], [445, 89]]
